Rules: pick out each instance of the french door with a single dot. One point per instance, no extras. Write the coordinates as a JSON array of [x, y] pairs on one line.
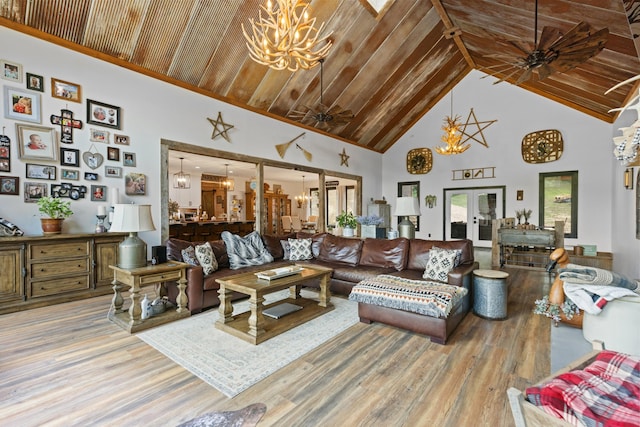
[[469, 213]]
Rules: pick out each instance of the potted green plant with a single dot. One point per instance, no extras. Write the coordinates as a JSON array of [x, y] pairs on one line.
[[347, 221], [56, 211]]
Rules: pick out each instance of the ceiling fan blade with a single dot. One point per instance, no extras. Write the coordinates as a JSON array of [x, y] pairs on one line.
[[544, 71], [548, 37], [528, 73], [579, 35]]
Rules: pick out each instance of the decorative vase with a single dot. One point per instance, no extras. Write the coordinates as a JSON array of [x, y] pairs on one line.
[[368, 231], [51, 225], [348, 232]]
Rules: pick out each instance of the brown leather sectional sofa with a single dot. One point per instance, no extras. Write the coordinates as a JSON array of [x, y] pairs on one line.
[[352, 260]]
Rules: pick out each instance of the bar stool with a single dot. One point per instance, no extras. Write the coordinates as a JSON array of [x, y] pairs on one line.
[[188, 232]]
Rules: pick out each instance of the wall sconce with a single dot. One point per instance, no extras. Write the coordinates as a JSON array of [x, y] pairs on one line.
[[628, 178], [430, 200]]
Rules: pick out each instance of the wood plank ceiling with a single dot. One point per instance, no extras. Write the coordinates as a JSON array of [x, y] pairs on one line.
[[388, 69]]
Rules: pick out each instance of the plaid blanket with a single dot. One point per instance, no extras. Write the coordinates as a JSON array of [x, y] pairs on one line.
[[605, 393], [417, 296]]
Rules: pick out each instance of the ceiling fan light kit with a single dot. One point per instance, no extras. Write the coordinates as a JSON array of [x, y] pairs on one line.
[[554, 52], [285, 37]]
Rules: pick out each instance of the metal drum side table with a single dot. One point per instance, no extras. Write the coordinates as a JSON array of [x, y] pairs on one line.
[[490, 294]]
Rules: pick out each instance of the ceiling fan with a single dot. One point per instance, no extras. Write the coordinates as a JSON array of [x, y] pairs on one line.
[[322, 115], [555, 52]]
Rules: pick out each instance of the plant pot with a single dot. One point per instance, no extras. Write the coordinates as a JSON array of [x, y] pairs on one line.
[[51, 225], [348, 232]]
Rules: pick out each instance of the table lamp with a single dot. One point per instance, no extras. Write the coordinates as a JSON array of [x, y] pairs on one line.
[[132, 251], [406, 207]]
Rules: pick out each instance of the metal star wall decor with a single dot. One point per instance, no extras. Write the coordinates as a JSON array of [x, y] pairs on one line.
[[475, 121], [220, 128], [344, 159]]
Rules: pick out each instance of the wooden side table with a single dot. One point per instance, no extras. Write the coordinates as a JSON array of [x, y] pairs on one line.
[[130, 319]]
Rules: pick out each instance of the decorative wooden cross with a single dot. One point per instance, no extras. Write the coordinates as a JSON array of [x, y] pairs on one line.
[[67, 124]]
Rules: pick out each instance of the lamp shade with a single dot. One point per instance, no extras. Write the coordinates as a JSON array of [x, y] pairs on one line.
[[406, 206], [132, 218]]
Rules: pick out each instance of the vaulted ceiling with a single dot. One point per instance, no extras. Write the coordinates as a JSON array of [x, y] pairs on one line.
[[389, 69]]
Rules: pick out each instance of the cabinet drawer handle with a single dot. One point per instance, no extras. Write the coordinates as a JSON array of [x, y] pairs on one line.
[[42, 269]]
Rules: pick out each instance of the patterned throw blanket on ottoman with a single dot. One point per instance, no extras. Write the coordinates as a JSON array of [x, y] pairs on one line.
[[417, 296]]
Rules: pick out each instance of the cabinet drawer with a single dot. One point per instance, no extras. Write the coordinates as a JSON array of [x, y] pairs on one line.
[[160, 277], [41, 270], [58, 286], [59, 250]]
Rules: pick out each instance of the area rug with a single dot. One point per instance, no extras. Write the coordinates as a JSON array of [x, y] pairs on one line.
[[245, 417], [232, 365]]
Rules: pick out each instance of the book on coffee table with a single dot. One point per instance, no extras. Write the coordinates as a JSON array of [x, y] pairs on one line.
[[277, 273]]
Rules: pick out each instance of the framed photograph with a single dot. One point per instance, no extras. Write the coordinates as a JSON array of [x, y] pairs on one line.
[[410, 189], [5, 147], [91, 176], [129, 159], [69, 157], [98, 193], [121, 139], [10, 71], [9, 185], [35, 82], [113, 171], [36, 142], [34, 191], [20, 104], [135, 184], [70, 174], [66, 90], [41, 172], [113, 154], [98, 135], [5, 165], [102, 114]]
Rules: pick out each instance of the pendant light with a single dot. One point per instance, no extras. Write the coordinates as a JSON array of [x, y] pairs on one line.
[[181, 180]]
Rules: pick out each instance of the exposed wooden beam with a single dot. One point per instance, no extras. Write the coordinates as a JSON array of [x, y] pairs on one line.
[[453, 32]]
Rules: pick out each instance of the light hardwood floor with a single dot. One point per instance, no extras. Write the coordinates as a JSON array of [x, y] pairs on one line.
[[67, 365]]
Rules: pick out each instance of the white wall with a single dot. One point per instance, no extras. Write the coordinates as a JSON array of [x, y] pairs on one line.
[[151, 110], [587, 149]]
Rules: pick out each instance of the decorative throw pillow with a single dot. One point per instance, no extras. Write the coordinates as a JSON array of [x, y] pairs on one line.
[[458, 254], [189, 256], [300, 249], [245, 251], [207, 259], [285, 248], [441, 262]]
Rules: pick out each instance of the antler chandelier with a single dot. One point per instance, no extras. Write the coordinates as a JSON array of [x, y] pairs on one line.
[[285, 38], [452, 135]]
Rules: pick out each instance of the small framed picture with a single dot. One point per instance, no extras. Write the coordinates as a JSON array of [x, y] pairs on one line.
[[135, 184], [65, 90], [129, 159], [5, 165], [102, 114], [41, 172], [98, 193], [5, 147], [36, 142], [20, 104], [69, 157], [91, 176], [113, 171], [35, 82], [113, 154], [70, 174], [10, 71], [98, 135], [9, 185], [34, 191], [121, 139]]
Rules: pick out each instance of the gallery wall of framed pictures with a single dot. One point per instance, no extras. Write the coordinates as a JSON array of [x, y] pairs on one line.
[[53, 160]]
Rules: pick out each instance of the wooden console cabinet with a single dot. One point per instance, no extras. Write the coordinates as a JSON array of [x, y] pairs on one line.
[[45, 270]]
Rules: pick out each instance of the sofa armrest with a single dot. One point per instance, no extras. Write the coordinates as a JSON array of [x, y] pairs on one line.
[[195, 288], [461, 275]]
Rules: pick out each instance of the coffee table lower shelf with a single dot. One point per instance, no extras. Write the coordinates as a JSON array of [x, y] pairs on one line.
[[239, 326]]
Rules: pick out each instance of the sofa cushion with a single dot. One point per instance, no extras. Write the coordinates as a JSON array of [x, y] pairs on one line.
[[300, 249], [245, 251], [206, 258], [316, 240], [385, 253], [286, 249], [273, 245], [340, 250], [189, 256], [441, 262], [419, 251]]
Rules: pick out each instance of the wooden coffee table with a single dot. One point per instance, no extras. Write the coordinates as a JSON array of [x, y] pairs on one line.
[[253, 326]]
